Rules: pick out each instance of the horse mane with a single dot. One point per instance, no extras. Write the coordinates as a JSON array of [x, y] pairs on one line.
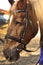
[[38, 7]]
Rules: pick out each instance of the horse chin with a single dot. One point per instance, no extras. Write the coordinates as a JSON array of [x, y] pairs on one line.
[[11, 55]]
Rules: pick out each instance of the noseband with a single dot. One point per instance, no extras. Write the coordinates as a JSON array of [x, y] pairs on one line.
[[21, 40]]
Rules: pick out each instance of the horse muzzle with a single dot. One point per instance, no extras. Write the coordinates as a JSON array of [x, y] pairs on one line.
[[11, 55]]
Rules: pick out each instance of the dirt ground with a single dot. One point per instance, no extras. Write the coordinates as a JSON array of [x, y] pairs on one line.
[[26, 58]]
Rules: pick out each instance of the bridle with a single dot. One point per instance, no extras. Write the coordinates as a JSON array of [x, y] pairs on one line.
[[21, 40]]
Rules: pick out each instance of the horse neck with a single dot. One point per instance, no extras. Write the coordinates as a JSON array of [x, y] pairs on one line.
[[32, 27], [38, 7], [32, 16]]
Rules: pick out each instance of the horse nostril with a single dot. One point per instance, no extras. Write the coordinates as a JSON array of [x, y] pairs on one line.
[[6, 54], [10, 58]]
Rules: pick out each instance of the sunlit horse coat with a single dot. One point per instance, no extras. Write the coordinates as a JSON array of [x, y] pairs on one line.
[[38, 6]]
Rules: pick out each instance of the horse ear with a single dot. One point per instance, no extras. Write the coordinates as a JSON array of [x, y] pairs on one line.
[[11, 1]]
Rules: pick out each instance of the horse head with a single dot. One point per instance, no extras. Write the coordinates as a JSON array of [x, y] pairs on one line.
[[21, 29]]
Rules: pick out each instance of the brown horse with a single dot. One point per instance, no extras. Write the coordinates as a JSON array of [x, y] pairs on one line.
[[22, 29]]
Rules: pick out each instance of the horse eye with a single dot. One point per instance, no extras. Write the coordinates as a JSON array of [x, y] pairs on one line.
[[17, 22]]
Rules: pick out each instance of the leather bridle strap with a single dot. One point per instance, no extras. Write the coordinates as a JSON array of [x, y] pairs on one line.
[[20, 42], [16, 39], [12, 38]]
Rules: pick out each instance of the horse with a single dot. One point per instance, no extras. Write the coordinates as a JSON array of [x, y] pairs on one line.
[[22, 29]]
